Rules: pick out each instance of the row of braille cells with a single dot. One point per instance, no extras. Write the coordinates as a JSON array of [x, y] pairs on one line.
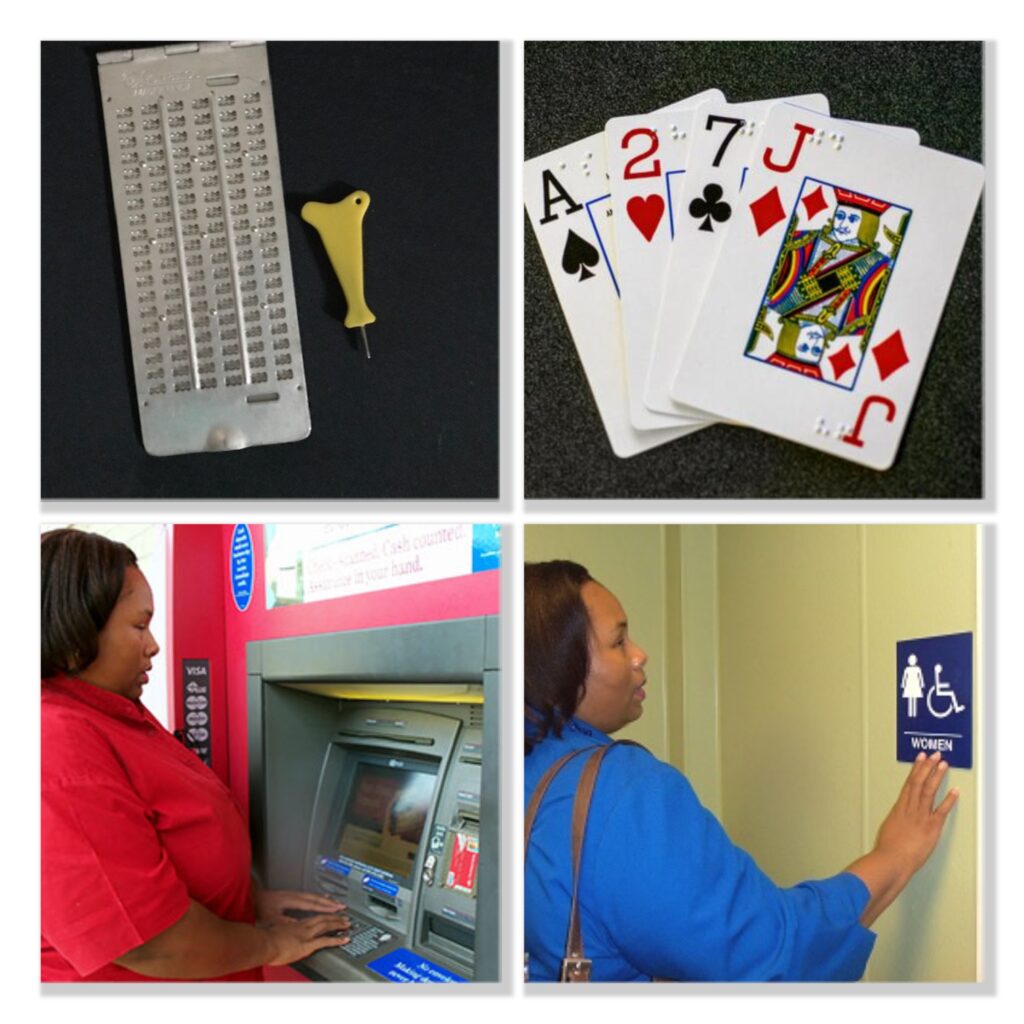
[[239, 366]]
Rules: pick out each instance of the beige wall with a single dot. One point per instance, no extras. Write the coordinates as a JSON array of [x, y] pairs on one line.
[[922, 581], [772, 671], [809, 618], [789, 696]]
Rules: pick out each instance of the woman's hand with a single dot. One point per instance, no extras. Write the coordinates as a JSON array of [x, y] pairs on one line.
[[202, 945], [272, 904], [294, 940], [907, 836], [912, 828]]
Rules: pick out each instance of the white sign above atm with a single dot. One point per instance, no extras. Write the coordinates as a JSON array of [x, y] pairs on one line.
[[316, 563]]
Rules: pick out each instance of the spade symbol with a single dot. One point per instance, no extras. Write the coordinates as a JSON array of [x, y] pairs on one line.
[[710, 207], [578, 255]]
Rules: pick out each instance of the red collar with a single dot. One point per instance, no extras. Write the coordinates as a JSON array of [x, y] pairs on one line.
[[95, 697]]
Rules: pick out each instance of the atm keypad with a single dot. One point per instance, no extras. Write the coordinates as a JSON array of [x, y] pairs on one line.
[[363, 939]]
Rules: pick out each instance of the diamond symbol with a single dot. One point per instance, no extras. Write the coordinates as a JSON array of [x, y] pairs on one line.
[[815, 203], [890, 355], [842, 362], [767, 211]]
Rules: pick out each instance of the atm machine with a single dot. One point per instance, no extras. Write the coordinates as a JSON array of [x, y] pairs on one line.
[[373, 778]]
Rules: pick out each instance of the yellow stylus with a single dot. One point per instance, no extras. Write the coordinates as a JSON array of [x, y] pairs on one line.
[[341, 230]]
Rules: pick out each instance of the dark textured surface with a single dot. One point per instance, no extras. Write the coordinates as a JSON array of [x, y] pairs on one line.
[[571, 89], [416, 125]]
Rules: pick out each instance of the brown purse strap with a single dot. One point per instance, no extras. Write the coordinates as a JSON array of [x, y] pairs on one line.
[[575, 965], [542, 787]]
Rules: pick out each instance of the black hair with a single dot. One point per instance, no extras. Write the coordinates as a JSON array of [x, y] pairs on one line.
[[82, 578], [557, 645]]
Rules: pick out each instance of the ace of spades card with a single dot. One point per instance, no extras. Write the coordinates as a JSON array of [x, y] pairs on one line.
[[725, 135], [568, 203], [821, 312]]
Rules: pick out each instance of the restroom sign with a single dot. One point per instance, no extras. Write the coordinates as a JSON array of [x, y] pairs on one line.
[[934, 698]]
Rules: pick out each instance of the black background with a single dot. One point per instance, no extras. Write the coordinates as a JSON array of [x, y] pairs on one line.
[[571, 89], [416, 126]]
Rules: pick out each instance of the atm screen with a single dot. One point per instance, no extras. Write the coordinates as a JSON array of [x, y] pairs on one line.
[[385, 816]]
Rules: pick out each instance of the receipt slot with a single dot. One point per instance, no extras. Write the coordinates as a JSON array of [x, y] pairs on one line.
[[374, 779]]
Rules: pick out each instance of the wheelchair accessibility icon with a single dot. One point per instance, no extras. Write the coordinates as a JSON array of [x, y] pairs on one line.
[[942, 689]]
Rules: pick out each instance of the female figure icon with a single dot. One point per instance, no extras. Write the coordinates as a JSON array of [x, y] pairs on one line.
[[912, 685]]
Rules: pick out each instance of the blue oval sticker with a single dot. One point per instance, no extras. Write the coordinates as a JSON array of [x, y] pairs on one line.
[[241, 566]]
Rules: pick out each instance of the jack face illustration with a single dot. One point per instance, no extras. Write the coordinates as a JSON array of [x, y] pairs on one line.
[[828, 282]]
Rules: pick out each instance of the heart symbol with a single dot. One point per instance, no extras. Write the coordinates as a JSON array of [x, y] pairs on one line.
[[646, 213]]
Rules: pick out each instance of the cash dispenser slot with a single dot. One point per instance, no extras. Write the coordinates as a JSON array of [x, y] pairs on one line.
[[448, 937]]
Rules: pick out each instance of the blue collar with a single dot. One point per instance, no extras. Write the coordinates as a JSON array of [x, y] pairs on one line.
[[589, 732]]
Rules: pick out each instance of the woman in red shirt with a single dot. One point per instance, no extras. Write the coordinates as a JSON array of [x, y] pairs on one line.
[[146, 861]]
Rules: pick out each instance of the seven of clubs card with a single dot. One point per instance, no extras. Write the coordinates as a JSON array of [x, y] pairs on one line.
[[725, 137]]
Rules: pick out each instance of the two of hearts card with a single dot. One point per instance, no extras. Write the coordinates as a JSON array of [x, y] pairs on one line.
[[766, 263]]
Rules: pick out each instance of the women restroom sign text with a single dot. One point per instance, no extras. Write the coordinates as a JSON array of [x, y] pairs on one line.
[[934, 698]]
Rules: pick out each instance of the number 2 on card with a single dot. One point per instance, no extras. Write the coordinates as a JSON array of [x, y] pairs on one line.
[[655, 170]]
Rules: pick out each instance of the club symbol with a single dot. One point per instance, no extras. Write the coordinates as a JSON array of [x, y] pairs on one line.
[[710, 207]]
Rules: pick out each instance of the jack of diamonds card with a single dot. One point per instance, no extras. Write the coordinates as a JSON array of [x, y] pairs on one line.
[[820, 316], [568, 203]]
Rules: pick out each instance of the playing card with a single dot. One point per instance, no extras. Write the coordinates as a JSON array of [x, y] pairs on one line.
[[724, 138], [819, 318], [647, 158], [568, 202]]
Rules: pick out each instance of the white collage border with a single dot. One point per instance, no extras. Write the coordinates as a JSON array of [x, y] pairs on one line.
[[1001, 996]]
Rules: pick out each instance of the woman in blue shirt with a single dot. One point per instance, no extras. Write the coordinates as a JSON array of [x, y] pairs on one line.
[[663, 892]]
